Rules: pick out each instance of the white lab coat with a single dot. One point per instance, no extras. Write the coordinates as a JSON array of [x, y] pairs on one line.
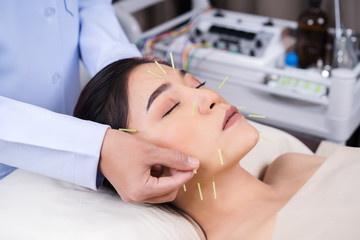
[[40, 45]]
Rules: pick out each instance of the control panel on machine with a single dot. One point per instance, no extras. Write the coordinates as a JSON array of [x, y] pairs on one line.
[[240, 41], [254, 39], [233, 37]]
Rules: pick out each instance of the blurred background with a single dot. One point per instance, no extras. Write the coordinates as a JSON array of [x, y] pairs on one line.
[[284, 9]]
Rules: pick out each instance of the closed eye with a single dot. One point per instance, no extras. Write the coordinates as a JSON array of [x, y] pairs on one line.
[[177, 104], [170, 110], [202, 84]]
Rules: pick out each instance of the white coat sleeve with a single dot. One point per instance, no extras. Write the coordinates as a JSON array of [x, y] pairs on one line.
[[51, 144], [102, 40]]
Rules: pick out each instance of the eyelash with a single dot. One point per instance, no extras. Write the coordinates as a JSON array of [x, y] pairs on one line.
[[202, 84], [177, 104], [168, 112]]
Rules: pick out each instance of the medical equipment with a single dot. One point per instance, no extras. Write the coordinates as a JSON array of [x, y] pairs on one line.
[[344, 53], [250, 49], [311, 35]]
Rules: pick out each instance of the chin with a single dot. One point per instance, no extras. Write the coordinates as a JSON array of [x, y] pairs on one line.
[[256, 137], [243, 145]]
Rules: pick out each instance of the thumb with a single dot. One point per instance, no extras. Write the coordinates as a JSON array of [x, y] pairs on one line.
[[176, 159]]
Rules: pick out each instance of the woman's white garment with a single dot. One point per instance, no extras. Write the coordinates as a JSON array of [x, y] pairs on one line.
[[327, 207]]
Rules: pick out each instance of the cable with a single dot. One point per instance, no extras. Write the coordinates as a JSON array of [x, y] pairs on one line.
[[147, 45]]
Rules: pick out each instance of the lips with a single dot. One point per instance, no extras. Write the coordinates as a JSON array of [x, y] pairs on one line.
[[230, 114]]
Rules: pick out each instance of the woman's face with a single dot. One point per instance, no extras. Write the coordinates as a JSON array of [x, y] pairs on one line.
[[178, 112]]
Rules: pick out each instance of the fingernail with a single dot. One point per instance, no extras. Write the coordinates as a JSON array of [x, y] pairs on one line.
[[193, 161]]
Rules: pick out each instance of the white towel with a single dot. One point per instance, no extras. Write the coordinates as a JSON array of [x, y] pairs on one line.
[[327, 207]]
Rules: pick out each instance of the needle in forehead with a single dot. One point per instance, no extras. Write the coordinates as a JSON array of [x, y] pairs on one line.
[[163, 87], [161, 68], [155, 74], [172, 60]]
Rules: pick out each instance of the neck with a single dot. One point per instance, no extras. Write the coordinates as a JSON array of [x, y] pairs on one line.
[[239, 195]]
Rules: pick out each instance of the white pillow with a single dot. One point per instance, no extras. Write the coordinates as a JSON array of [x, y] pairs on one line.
[[273, 143], [38, 207]]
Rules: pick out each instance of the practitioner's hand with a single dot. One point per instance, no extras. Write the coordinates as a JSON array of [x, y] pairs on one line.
[[132, 166]]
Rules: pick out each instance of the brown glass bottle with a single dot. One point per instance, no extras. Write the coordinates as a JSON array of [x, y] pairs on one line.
[[311, 35]]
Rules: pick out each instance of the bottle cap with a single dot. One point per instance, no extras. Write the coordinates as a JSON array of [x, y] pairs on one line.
[[315, 3], [291, 59]]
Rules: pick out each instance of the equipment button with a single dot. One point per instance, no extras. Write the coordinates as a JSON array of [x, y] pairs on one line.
[[258, 44]]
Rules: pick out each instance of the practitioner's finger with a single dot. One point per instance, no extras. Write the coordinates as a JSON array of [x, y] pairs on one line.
[[165, 198], [166, 185], [174, 159]]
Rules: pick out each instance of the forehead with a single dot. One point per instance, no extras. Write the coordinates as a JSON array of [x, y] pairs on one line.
[[141, 85], [147, 75]]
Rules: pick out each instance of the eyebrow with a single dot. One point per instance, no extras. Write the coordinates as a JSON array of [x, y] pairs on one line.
[[182, 73], [163, 87]]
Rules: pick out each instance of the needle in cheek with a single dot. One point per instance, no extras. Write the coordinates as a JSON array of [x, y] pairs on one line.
[[213, 182], [127, 130], [266, 139], [221, 158], [256, 116], [200, 193]]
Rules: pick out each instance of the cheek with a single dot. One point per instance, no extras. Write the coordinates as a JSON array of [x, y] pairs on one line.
[[185, 137]]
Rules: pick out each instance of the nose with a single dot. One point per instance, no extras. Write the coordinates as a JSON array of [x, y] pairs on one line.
[[207, 99]]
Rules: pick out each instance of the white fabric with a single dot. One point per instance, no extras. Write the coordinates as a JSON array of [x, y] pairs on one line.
[[273, 143], [40, 45], [37, 207], [327, 207]]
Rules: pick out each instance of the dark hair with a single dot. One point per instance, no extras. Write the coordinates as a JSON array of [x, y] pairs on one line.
[[105, 100], [105, 97]]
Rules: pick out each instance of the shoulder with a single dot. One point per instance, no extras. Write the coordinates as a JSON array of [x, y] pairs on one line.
[[290, 165]]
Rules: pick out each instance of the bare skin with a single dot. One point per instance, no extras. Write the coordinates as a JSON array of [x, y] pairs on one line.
[[188, 117], [246, 207]]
